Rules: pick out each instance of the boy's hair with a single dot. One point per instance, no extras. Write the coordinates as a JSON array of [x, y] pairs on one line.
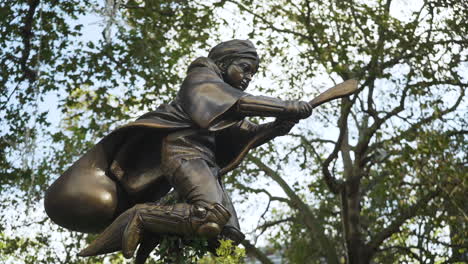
[[224, 53]]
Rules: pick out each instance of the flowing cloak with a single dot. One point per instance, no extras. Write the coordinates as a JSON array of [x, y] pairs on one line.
[[131, 154]]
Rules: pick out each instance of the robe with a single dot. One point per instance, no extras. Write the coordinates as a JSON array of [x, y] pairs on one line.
[[131, 154]]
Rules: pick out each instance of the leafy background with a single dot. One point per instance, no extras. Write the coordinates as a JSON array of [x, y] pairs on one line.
[[379, 177]]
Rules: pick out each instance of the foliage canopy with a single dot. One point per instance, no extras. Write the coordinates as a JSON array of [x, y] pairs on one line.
[[378, 177]]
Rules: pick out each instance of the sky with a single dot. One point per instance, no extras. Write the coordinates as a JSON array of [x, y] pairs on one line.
[[250, 212]]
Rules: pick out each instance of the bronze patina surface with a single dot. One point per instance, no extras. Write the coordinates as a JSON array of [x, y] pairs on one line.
[[115, 187]]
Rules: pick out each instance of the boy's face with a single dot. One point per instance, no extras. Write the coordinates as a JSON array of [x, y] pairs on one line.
[[239, 73]]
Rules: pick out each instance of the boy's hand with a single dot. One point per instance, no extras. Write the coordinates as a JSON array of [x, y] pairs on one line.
[[299, 109]]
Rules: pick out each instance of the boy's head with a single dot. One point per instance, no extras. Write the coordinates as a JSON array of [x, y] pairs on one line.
[[238, 61]]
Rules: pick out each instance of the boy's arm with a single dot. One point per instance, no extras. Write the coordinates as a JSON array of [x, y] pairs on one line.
[[249, 130], [288, 113], [251, 105]]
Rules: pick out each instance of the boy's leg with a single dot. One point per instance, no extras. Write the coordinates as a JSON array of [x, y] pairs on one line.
[[197, 183], [202, 215], [232, 229]]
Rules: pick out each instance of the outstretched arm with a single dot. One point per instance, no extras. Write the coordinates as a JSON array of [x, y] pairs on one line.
[[280, 127], [251, 105], [248, 130], [341, 90]]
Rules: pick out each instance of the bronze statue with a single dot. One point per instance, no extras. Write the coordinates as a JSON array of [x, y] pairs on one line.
[[183, 145]]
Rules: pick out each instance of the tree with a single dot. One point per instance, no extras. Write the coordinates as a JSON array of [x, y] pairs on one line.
[[377, 177], [379, 189], [60, 92]]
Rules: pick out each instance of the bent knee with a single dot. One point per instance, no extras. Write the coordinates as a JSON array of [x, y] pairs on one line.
[[85, 207]]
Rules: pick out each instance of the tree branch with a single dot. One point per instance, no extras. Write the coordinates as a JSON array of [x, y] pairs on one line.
[[407, 250], [27, 35], [405, 214], [414, 127], [334, 185], [267, 225], [264, 20], [310, 221], [270, 196], [252, 250]]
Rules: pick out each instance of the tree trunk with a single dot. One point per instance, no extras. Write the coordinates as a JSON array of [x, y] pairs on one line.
[[350, 199]]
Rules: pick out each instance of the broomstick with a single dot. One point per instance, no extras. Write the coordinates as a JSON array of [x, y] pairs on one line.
[[341, 90]]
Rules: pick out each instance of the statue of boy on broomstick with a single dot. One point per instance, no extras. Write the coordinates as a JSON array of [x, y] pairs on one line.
[[186, 146]]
